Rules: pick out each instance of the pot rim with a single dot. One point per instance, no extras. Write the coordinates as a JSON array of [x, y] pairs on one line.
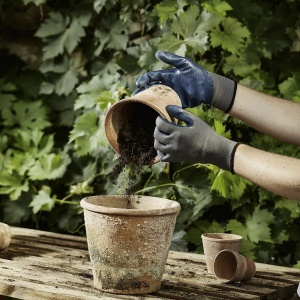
[[172, 207], [226, 237]]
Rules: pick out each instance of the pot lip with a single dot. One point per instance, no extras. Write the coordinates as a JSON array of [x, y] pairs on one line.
[[173, 208], [216, 237]]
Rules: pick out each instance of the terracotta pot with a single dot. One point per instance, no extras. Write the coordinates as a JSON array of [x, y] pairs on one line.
[[128, 241], [213, 243], [5, 236], [151, 102], [230, 266]]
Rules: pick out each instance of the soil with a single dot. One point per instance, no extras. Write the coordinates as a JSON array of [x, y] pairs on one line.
[[136, 144]]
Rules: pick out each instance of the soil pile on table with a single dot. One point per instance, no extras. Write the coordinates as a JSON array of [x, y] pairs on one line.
[[136, 146]]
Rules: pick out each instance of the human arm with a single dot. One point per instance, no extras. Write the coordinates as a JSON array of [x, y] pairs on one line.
[[276, 173], [198, 142], [270, 115]]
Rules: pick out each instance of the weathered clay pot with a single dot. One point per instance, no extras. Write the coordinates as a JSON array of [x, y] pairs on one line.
[[230, 266], [128, 241], [5, 236], [213, 243], [152, 101]]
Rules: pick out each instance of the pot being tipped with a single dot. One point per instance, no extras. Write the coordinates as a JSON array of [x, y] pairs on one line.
[[148, 104]]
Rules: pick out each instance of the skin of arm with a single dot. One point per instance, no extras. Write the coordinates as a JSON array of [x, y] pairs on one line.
[[279, 119], [277, 173], [273, 116]]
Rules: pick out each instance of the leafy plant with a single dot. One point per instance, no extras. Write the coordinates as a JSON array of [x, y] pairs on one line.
[[68, 61]]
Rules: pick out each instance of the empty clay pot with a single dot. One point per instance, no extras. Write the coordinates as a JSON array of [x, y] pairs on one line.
[[5, 236], [151, 102], [230, 266], [213, 243], [128, 241]]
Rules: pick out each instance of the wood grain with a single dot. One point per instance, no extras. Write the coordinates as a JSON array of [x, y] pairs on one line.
[[44, 265]]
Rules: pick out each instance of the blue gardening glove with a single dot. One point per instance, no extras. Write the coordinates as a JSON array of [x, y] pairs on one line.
[[195, 142], [193, 84]]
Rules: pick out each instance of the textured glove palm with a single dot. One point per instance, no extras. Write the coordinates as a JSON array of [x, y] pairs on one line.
[[195, 142], [193, 84]]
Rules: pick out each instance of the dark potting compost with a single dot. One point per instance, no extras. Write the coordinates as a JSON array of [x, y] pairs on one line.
[[136, 148]]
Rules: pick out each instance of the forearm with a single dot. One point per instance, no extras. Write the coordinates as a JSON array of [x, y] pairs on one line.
[[276, 173], [270, 115]]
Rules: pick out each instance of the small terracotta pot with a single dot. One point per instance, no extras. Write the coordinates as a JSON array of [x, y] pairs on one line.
[[151, 101], [213, 243], [129, 241], [230, 266], [5, 236]]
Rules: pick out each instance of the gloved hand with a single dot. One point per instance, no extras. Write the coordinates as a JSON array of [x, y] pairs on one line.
[[193, 84], [195, 142]]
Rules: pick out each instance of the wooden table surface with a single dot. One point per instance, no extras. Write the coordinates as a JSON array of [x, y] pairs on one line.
[[44, 265]]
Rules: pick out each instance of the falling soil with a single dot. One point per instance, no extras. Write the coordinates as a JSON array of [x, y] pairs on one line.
[[136, 147]]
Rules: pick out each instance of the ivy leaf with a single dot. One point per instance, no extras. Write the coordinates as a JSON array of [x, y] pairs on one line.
[[237, 227], [217, 7], [12, 185], [231, 37], [5, 93], [221, 129], [229, 185], [242, 64], [165, 10], [50, 166], [171, 44], [66, 82], [257, 225], [88, 133], [187, 23], [98, 91], [43, 200], [81, 188], [112, 39], [54, 25], [290, 87], [68, 40], [292, 207], [26, 115]]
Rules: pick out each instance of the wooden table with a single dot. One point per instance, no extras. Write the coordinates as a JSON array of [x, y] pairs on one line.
[[44, 265]]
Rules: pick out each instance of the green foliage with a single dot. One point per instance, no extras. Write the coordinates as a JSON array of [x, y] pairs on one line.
[[64, 63]]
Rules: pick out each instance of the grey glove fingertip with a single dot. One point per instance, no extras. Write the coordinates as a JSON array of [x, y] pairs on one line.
[[178, 113]]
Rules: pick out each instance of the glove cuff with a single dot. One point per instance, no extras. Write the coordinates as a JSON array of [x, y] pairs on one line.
[[224, 92], [226, 152]]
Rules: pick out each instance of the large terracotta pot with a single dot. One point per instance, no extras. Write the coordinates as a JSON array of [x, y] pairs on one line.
[[151, 102], [128, 241]]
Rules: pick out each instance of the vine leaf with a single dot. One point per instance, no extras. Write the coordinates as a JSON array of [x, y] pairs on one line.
[[12, 184], [88, 133], [53, 25], [49, 166], [26, 115], [217, 7], [231, 37], [43, 200], [257, 225]]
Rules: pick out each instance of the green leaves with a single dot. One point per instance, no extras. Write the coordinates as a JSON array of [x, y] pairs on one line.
[[26, 114], [190, 28], [231, 36], [50, 166], [42, 201], [88, 133], [60, 33]]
